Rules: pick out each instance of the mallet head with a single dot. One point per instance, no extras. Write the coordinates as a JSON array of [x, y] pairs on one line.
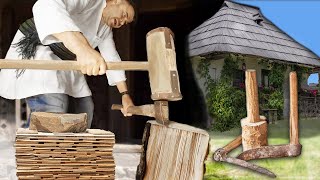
[[163, 74]]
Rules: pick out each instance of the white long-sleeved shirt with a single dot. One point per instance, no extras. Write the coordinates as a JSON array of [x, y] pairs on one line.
[[56, 16]]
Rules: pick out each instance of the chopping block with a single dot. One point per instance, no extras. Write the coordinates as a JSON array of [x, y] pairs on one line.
[[254, 126]]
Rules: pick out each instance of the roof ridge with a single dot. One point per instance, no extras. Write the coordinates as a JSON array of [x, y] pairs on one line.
[[234, 2]]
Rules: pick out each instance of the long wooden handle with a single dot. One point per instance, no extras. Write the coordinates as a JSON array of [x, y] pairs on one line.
[[144, 110], [294, 131], [252, 96], [233, 144], [68, 65]]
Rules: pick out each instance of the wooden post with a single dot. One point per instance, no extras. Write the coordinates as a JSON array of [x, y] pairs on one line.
[[252, 96], [294, 133], [254, 127]]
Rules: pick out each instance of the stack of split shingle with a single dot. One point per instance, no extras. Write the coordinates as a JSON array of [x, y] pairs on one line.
[[65, 155]]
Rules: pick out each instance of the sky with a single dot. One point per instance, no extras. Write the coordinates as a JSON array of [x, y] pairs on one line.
[[300, 19]]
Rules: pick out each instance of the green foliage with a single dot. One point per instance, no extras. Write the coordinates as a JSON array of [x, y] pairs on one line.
[[226, 104], [300, 71], [203, 71], [276, 76], [276, 100], [231, 63]]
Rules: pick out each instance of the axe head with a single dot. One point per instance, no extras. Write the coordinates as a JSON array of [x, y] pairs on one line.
[[163, 74]]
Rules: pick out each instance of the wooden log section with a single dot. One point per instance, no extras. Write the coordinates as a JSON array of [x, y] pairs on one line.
[[252, 96], [254, 135], [174, 152], [294, 132]]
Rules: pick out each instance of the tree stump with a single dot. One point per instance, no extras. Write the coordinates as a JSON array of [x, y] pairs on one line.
[[254, 134]]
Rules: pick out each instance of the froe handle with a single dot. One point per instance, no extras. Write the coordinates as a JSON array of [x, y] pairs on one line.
[[159, 111], [144, 110]]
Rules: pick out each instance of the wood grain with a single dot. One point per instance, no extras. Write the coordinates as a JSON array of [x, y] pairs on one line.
[[252, 96], [68, 65], [85, 155], [174, 152], [294, 132], [254, 135], [233, 144]]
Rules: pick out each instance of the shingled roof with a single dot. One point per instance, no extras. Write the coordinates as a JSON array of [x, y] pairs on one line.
[[243, 29]]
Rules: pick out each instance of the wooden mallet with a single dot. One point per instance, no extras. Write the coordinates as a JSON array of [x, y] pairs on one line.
[[163, 74]]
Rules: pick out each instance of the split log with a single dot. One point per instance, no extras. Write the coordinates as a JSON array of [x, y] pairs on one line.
[[177, 151], [58, 122]]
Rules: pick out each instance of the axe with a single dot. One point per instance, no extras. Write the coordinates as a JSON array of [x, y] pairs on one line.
[[161, 65], [221, 155]]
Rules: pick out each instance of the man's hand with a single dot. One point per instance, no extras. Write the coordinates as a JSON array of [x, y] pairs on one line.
[[126, 99], [126, 102], [91, 62]]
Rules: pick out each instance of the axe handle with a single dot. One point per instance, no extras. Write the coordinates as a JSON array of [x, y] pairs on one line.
[[144, 110], [233, 144], [68, 65], [294, 132]]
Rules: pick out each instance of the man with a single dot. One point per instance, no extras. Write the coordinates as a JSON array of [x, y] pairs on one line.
[[81, 25]]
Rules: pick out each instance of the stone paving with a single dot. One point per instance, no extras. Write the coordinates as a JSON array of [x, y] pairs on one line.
[[127, 157], [7, 159]]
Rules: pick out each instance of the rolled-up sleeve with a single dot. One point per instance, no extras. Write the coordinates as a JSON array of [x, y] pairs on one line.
[[109, 53], [53, 16]]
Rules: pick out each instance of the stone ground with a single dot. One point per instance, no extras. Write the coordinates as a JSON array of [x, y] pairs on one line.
[[127, 157]]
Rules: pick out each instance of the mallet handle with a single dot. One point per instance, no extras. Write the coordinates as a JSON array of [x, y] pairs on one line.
[[294, 132], [252, 96], [68, 65]]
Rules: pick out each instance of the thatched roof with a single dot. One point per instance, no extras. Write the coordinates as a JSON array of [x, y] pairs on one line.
[[239, 28]]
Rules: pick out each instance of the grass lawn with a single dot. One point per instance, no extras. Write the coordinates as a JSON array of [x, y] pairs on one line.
[[305, 166]]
